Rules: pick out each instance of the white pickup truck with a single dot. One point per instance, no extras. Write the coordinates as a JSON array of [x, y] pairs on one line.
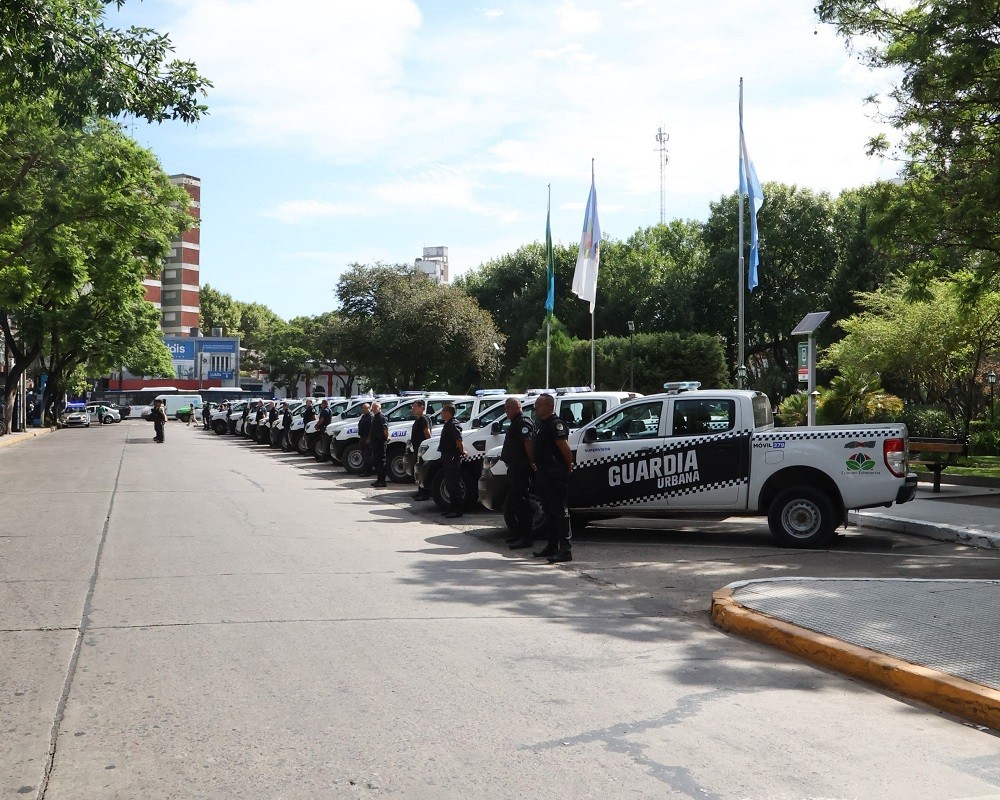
[[718, 453]]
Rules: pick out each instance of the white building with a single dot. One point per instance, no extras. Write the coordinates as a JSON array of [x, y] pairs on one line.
[[434, 264]]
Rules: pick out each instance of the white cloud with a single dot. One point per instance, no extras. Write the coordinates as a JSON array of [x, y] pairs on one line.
[[577, 21], [304, 211], [493, 13]]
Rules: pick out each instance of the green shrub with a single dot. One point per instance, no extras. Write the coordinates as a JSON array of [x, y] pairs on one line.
[[794, 410], [930, 422], [984, 438]]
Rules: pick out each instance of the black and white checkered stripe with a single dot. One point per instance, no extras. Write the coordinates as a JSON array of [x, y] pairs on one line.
[[792, 436], [680, 491]]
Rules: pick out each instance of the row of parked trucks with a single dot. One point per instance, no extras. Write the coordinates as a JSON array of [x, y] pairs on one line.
[[686, 452]]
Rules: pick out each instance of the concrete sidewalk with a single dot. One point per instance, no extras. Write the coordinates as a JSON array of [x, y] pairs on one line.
[[930, 640], [964, 514]]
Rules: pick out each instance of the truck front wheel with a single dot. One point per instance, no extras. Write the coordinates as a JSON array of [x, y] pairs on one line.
[[396, 461], [321, 450], [802, 517]]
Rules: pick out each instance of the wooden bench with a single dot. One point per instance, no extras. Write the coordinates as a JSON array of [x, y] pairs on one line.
[[936, 454]]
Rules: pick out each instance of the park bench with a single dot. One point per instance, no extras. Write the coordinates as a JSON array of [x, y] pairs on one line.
[[936, 454]]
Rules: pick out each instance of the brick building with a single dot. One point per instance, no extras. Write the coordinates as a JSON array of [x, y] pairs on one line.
[[176, 292]]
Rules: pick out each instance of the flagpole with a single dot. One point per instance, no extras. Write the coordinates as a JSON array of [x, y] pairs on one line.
[[593, 361], [548, 314], [741, 367]]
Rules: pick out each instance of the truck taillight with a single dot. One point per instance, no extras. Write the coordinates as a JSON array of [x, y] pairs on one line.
[[894, 452]]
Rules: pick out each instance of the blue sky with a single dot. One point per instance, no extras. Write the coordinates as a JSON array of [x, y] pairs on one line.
[[346, 131]]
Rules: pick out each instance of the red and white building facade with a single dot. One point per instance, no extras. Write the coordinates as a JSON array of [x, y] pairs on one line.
[[176, 292]]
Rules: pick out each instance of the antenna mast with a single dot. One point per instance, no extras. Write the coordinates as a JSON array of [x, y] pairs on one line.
[[662, 137]]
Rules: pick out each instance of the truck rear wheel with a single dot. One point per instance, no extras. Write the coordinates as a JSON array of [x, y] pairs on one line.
[[220, 427], [321, 450], [353, 458], [397, 466], [441, 497], [802, 517]]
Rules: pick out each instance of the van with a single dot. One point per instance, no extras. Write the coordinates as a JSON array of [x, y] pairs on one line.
[[172, 402]]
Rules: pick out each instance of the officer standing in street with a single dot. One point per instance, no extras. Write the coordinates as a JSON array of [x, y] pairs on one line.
[[419, 433], [452, 449], [378, 437], [553, 464], [286, 423], [159, 417], [364, 431], [518, 455]]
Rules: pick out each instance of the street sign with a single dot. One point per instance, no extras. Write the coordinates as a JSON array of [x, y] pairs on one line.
[[804, 362]]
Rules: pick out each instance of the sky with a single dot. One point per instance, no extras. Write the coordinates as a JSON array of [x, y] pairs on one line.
[[342, 131]]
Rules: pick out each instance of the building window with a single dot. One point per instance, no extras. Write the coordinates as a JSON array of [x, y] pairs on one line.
[[170, 316]]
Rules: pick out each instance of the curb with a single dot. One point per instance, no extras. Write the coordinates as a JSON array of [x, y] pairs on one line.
[[970, 701], [25, 436], [974, 537]]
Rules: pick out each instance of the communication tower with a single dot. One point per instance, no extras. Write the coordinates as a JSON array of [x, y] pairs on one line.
[[662, 137]]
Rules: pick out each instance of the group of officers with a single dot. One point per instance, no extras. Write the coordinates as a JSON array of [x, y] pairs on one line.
[[536, 454], [538, 461]]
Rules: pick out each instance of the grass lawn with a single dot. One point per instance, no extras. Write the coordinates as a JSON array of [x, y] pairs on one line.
[[973, 467]]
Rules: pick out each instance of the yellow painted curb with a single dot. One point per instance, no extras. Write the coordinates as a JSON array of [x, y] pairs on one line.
[[32, 433], [971, 701]]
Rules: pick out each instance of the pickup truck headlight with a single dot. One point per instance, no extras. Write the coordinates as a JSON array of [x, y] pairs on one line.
[[423, 449], [490, 461]]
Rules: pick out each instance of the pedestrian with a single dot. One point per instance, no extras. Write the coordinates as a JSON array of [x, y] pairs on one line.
[[159, 417], [518, 454], [364, 431], [452, 449], [286, 420], [191, 411], [553, 462], [419, 433], [378, 437], [246, 416]]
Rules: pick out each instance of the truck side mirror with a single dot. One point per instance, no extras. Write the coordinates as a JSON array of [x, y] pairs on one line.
[[589, 435], [476, 423], [495, 429]]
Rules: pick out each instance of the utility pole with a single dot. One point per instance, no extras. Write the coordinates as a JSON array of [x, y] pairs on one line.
[[662, 137]]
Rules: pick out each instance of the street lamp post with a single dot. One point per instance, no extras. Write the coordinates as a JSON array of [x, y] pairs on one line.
[[631, 355], [991, 378]]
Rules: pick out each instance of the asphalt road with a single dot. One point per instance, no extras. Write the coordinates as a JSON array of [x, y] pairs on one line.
[[213, 619]]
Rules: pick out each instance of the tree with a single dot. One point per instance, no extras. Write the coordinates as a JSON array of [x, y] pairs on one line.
[[62, 70], [926, 351], [219, 310], [946, 104], [406, 331], [99, 220], [81, 302], [286, 356], [64, 52]]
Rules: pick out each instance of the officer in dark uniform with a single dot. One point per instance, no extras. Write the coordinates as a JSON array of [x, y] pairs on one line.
[[378, 437], [553, 464], [365, 431], [286, 422], [246, 415], [419, 433], [518, 454], [452, 449], [324, 418]]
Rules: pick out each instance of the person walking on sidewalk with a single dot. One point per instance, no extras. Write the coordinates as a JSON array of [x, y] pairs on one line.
[[159, 417], [419, 433], [378, 438], [517, 454], [452, 449], [553, 464]]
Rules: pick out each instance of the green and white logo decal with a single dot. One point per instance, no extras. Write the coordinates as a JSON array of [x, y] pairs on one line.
[[860, 462]]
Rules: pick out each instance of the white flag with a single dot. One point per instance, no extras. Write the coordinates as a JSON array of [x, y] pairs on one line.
[[589, 258]]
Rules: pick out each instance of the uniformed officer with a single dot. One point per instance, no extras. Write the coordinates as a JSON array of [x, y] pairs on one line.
[[452, 449], [419, 433], [378, 437], [364, 431], [286, 419], [324, 418], [518, 454], [553, 462]]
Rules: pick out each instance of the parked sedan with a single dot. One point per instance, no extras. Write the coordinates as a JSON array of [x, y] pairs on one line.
[[76, 418], [103, 413]]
